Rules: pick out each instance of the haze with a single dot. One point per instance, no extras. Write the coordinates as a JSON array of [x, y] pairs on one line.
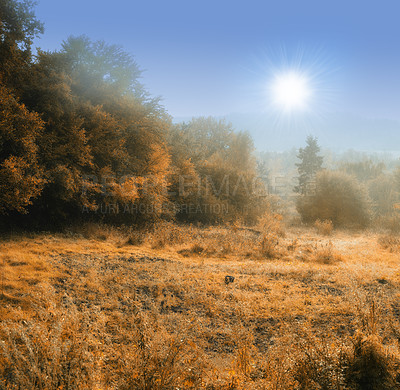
[[244, 233], [219, 58]]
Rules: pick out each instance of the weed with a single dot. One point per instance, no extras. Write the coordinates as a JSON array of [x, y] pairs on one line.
[[167, 233], [269, 246], [51, 352], [326, 254]]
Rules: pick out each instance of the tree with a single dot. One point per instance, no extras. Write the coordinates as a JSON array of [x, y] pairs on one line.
[[97, 124], [21, 178], [104, 73], [18, 28], [214, 171], [383, 193], [396, 177], [363, 170], [310, 164]]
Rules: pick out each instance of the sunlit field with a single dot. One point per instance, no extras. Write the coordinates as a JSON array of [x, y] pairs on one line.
[[106, 308], [199, 195]]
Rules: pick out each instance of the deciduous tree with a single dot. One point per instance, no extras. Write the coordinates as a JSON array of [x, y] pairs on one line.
[[21, 179], [18, 28], [338, 197]]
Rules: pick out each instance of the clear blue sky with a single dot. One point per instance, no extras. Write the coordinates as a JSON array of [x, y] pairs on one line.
[[217, 57]]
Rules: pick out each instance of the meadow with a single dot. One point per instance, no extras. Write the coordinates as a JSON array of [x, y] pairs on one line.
[[141, 252], [114, 308]]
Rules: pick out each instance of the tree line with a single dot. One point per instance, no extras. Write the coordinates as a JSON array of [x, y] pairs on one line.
[[79, 134], [81, 139], [355, 194]]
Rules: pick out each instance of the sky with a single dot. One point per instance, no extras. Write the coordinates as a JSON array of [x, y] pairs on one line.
[[220, 57]]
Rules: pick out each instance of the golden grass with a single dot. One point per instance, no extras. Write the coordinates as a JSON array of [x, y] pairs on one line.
[[108, 312], [390, 242]]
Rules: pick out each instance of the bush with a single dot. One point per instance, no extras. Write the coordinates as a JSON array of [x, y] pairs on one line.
[[326, 255], [365, 365], [271, 223], [318, 368], [370, 367], [272, 231], [324, 227], [391, 221], [339, 198], [269, 246], [383, 193]]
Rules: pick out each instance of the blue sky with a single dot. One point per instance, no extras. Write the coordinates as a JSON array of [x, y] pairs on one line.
[[218, 57]]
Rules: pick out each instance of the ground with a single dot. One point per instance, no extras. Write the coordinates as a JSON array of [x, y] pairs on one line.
[[155, 312]]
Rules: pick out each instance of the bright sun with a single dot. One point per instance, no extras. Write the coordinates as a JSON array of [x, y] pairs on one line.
[[291, 91]]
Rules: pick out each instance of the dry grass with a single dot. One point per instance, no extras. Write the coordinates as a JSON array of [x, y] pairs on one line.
[[390, 223], [326, 254], [390, 242], [155, 313]]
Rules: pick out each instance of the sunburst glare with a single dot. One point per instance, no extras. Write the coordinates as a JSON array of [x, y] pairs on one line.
[[296, 87], [291, 91]]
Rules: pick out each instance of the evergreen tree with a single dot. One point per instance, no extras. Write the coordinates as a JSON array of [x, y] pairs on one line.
[[310, 164]]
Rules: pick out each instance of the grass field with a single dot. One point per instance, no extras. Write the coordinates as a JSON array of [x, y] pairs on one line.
[[104, 308]]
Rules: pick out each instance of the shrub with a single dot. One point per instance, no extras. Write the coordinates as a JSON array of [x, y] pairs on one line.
[[153, 359], [369, 366], [392, 223], [271, 231], [318, 368], [391, 220], [383, 193], [324, 227], [338, 197], [326, 254], [93, 231], [269, 245], [135, 238], [271, 223]]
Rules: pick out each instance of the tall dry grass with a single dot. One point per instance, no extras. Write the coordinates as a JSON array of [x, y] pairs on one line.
[[112, 314]]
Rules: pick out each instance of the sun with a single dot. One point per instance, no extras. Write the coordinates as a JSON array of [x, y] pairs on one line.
[[290, 91]]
